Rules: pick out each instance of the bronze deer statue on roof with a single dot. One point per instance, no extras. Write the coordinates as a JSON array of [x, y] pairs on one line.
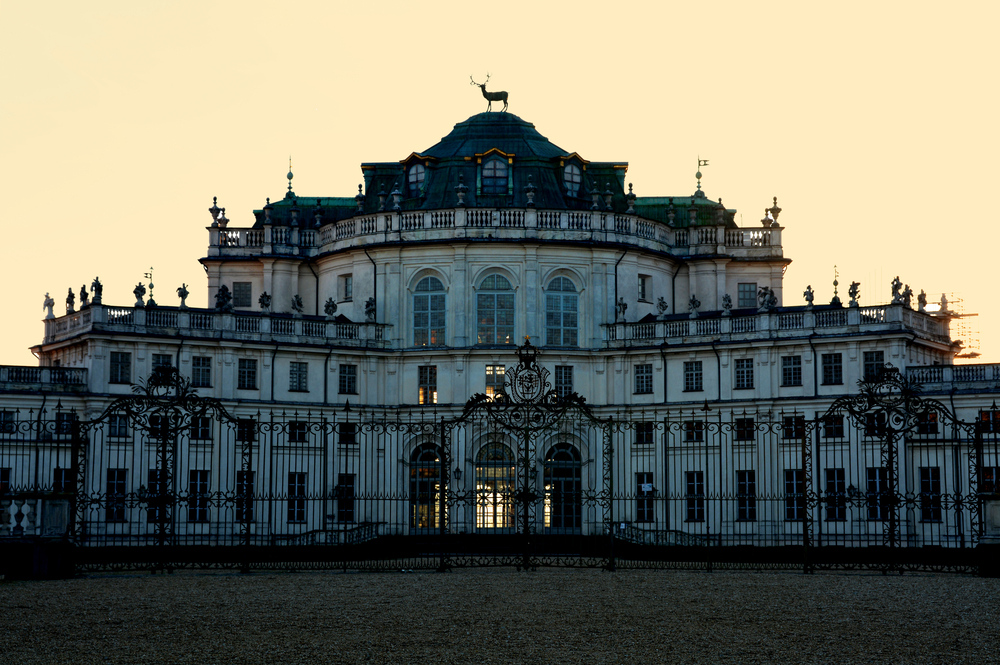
[[491, 96]]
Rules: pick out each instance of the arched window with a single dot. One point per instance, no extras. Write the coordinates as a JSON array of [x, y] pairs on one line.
[[428, 313], [415, 180], [563, 490], [495, 487], [561, 321], [495, 176], [572, 179], [495, 311], [425, 488]]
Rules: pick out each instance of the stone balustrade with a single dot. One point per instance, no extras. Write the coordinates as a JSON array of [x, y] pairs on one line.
[[791, 321], [43, 378], [502, 223], [975, 375], [209, 323]]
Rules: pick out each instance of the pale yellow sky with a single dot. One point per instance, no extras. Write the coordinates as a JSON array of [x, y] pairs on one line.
[[873, 124]]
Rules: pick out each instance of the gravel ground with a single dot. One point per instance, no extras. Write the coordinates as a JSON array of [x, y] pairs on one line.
[[502, 616]]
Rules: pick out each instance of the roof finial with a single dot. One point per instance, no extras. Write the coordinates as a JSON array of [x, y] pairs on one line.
[[290, 176], [836, 298]]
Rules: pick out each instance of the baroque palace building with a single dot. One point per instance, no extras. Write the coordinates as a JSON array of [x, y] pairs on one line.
[[412, 296]]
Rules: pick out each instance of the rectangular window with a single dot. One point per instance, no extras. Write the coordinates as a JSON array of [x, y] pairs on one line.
[[121, 367], [746, 293], [746, 495], [296, 497], [348, 380], [64, 423], [8, 422], [795, 494], [875, 424], [927, 422], [833, 369], [494, 380], [644, 434], [5, 482], [62, 480], [117, 488], [877, 490], [745, 429], [991, 480], [836, 493], [247, 378], [298, 377], [644, 288], [833, 426], [793, 427], [298, 431], [242, 294], [346, 288], [644, 497], [564, 380], [345, 497], [874, 364], [692, 376], [162, 360], [246, 430], [930, 494], [347, 434], [244, 496], [744, 374], [201, 428], [201, 372], [118, 426], [791, 371], [157, 493], [198, 495], [694, 431], [428, 391], [989, 422], [644, 379], [695, 496]]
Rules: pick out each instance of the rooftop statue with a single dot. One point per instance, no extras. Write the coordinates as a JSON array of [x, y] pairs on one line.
[[139, 291], [693, 305], [766, 299], [854, 292], [897, 285], [84, 296], [906, 296], [330, 308], [48, 305], [922, 301], [809, 295], [297, 306], [264, 300], [70, 300], [224, 299], [491, 97], [182, 293], [727, 305], [370, 309], [98, 290]]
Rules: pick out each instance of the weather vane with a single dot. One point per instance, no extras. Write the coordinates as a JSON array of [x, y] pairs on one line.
[[701, 163], [491, 97], [149, 276]]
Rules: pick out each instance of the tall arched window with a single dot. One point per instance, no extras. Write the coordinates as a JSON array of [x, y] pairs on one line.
[[495, 311], [563, 488], [429, 313], [425, 488], [561, 320], [495, 176], [415, 180], [572, 179], [495, 487]]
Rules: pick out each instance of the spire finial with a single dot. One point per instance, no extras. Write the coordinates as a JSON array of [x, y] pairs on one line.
[[697, 175], [290, 176]]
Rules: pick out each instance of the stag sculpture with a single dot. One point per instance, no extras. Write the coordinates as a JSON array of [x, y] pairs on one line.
[[491, 97]]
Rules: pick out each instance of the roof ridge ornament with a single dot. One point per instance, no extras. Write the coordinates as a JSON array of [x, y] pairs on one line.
[[290, 193], [698, 194], [499, 96]]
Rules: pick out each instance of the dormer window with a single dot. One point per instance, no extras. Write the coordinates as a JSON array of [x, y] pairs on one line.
[[415, 180], [495, 176], [572, 179]]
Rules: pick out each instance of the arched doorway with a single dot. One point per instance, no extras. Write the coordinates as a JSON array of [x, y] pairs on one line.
[[425, 488], [563, 489], [495, 486]]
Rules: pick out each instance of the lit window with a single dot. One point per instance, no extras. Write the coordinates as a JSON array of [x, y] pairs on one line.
[[494, 379], [572, 179], [415, 180], [561, 322], [428, 392], [495, 311], [429, 313], [495, 176]]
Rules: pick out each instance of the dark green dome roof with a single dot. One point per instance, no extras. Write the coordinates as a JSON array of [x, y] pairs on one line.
[[503, 131]]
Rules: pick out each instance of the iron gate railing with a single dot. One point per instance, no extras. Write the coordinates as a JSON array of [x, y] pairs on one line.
[[525, 477]]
